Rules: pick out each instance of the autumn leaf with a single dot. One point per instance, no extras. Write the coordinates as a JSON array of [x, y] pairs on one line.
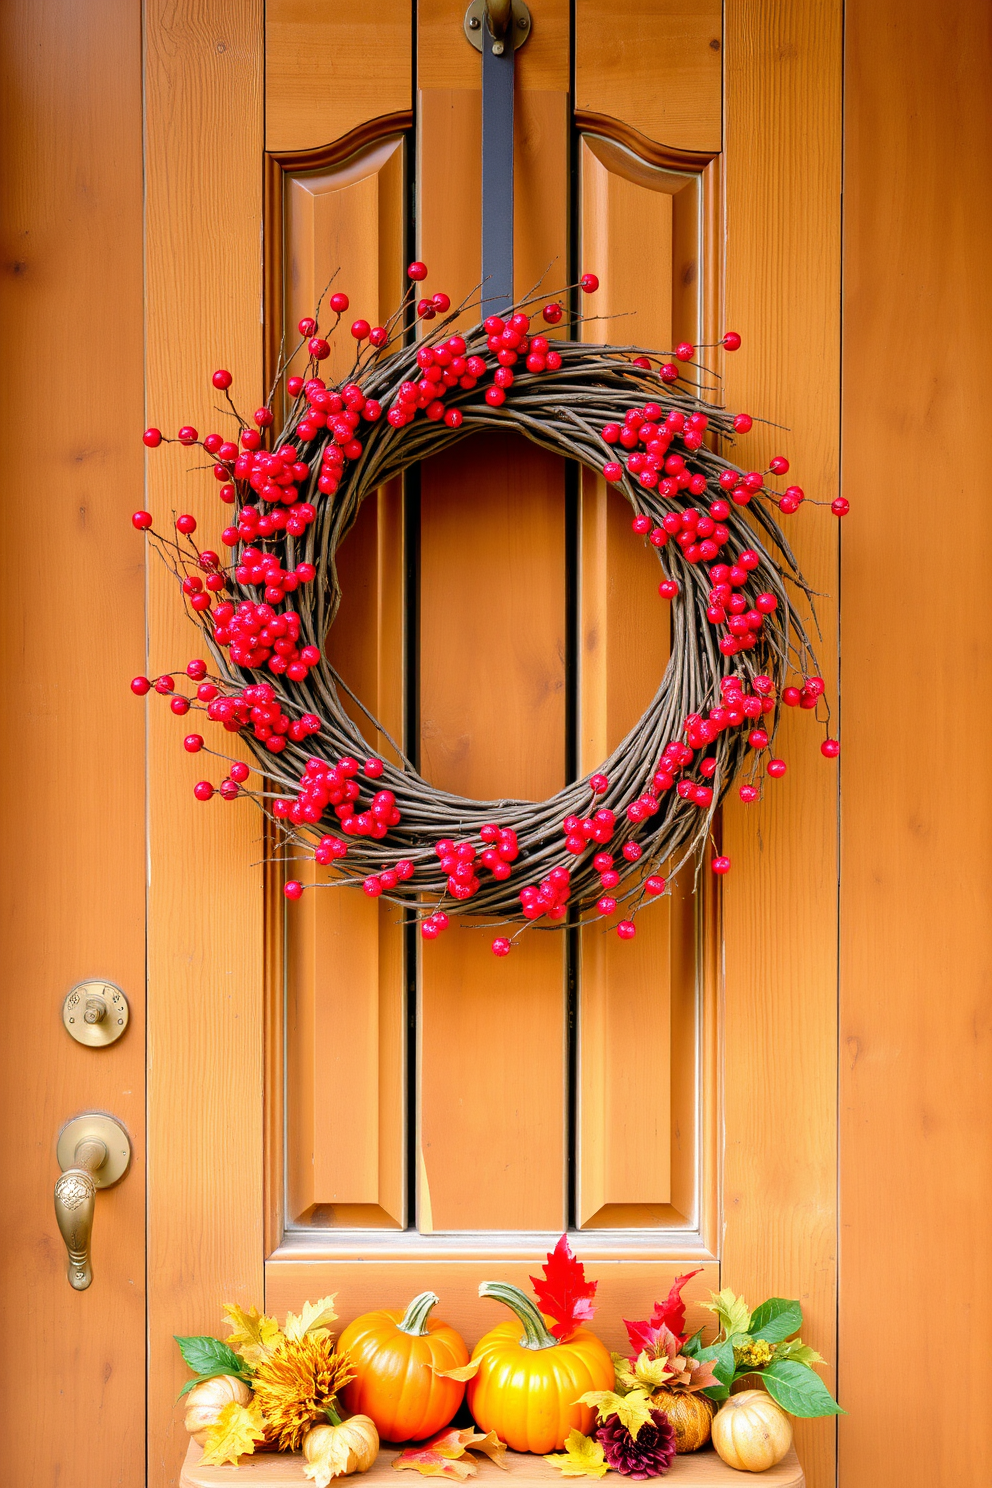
[[651, 1373], [315, 1318], [669, 1314], [582, 1458], [233, 1434], [732, 1312], [625, 1377], [462, 1373], [632, 1411], [564, 1294], [253, 1335], [444, 1456]]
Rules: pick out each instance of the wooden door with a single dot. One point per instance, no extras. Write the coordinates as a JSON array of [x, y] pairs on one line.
[[330, 1105]]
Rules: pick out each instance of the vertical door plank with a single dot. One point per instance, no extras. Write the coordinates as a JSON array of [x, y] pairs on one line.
[[328, 70], [492, 686], [783, 175], [656, 64], [203, 143], [625, 1129], [916, 1131], [71, 634], [345, 1038]]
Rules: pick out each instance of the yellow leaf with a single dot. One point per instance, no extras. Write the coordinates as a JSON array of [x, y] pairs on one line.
[[632, 1411], [625, 1380], [253, 1335], [582, 1458], [651, 1373], [233, 1434], [314, 1318], [444, 1456], [464, 1372], [732, 1312]]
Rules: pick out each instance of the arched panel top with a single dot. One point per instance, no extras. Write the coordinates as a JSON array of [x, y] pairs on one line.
[[654, 66]]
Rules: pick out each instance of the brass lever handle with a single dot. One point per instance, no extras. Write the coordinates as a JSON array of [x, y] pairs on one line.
[[93, 1152]]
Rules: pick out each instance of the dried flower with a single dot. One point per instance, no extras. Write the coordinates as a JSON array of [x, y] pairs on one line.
[[296, 1387], [755, 1353]]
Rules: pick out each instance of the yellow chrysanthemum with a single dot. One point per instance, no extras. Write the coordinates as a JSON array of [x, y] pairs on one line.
[[295, 1385]]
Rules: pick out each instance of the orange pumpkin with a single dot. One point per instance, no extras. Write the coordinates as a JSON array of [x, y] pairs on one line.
[[395, 1356], [528, 1386]]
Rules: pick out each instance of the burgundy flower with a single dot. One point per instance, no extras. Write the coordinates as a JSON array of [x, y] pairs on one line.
[[650, 1455]]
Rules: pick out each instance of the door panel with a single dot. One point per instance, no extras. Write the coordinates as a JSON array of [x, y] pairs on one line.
[[72, 774]]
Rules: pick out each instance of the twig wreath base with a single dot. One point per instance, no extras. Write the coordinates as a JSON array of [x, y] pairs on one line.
[[604, 845]]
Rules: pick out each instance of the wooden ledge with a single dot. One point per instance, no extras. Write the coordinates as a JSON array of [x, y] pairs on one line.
[[285, 1470]]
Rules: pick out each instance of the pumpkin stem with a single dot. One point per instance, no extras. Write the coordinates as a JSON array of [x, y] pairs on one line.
[[331, 1413], [416, 1315], [536, 1335]]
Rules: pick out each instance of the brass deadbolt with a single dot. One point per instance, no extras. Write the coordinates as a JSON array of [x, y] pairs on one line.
[[95, 1013]]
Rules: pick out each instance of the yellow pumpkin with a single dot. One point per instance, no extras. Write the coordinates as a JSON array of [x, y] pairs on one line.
[[690, 1416], [206, 1400], [335, 1451], [529, 1384], [750, 1432]]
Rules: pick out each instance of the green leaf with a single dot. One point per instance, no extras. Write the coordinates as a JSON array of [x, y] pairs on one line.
[[208, 1356], [775, 1319], [798, 1390], [211, 1374], [801, 1352], [692, 1345], [722, 1355]]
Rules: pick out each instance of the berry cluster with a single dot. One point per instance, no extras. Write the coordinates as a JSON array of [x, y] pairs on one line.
[[323, 785], [258, 636], [462, 861]]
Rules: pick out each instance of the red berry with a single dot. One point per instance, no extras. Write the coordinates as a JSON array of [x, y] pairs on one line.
[[372, 886], [193, 743], [188, 435], [743, 422], [339, 303], [140, 685], [417, 271], [239, 771], [668, 588], [588, 283], [654, 884], [360, 329], [203, 790], [186, 524], [626, 930], [599, 783], [306, 327], [778, 464], [830, 748], [378, 335], [791, 696], [318, 348], [552, 314], [612, 471], [749, 793], [731, 341], [441, 303], [840, 506], [776, 768], [142, 520], [685, 351], [720, 865], [293, 889], [632, 851], [152, 437], [501, 946]]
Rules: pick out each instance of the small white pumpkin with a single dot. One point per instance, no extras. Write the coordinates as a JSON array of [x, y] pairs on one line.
[[750, 1432], [338, 1451], [206, 1400]]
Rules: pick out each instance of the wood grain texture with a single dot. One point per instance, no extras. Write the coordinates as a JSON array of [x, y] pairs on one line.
[[328, 69], [203, 144], [654, 64], [446, 58], [627, 1287], [783, 171], [701, 1469], [916, 1131], [71, 627]]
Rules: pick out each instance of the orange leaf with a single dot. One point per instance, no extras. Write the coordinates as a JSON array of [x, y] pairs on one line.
[[444, 1456], [461, 1374]]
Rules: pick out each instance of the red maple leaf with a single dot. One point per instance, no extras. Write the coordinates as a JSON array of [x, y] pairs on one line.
[[670, 1314], [564, 1294]]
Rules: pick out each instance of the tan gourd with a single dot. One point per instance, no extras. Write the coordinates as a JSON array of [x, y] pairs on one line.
[[336, 1451], [750, 1432], [206, 1400], [690, 1416]]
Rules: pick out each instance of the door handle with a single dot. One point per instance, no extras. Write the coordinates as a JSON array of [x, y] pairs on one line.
[[93, 1152]]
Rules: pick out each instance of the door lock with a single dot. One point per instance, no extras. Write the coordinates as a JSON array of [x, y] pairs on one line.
[[93, 1152], [95, 1013]]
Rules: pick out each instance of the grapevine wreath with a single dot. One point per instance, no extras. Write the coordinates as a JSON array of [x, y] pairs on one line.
[[607, 843]]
